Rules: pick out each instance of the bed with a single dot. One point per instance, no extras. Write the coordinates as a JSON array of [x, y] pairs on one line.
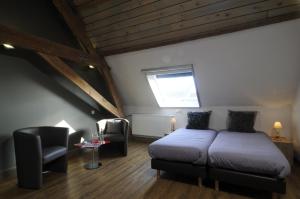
[[249, 159], [183, 151]]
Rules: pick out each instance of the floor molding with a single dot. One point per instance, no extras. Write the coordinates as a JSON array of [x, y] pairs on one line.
[[12, 172], [7, 173], [146, 139]]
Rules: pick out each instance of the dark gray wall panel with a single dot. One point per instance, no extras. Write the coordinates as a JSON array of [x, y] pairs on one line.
[[30, 98], [38, 17]]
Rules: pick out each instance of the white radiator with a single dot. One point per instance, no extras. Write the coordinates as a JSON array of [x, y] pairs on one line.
[[151, 125]]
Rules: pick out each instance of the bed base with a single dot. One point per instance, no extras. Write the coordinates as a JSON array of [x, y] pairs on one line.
[[179, 167], [274, 185]]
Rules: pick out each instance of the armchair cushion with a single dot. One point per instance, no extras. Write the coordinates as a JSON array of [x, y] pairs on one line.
[[113, 127], [115, 137], [53, 152]]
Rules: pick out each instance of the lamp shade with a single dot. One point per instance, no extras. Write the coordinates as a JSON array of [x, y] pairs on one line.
[[173, 120], [277, 125]]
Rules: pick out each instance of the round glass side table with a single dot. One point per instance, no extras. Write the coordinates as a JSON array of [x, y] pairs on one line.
[[94, 145]]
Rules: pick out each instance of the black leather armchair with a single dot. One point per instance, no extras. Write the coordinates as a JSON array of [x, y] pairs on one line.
[[116, 131], [40, 149]]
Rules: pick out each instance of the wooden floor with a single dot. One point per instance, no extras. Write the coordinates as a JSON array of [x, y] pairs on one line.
[[131, 177]]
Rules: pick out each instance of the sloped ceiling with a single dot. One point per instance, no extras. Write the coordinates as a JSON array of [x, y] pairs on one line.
[[117, 26], [259, 66]]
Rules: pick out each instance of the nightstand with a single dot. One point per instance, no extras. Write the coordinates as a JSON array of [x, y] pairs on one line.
[[286, 146]]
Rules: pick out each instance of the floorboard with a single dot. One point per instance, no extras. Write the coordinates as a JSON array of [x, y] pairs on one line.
[[131, 177]]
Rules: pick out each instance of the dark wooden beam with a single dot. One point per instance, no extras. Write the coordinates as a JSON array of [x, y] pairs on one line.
[[85, 2], [81, 2], [31, 42], [65, 70], [52, 52], [78, 29], [74, 23]]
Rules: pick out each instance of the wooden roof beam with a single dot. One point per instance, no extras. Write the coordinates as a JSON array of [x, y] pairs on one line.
[[67, 71], [74, 24], [78, 29], [31, 42], [52, 52]]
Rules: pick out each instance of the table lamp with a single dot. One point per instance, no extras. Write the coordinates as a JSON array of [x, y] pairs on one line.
[[277, 126], [173, 121]]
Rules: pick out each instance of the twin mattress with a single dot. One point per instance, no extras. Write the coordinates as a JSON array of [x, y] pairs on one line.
[[248, 152], [184, 145], [243, 152]]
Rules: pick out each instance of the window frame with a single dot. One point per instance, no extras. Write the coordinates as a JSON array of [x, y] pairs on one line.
[[168, 70]]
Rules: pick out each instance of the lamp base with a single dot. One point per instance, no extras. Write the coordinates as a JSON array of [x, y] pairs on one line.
[[277, 135]]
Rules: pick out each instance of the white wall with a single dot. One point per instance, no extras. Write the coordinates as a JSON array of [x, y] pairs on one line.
[[264, 121], [252, 69], [296, 124], [142, 124]]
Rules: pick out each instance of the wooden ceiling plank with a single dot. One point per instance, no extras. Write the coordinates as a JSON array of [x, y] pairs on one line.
[[122, 8], [28, 41], [213, 32], [97, 6], [66, 71], [77, 27], [137, 14], [284, 10], [173, 19], [193, 30], [232, 13], [147, 18]]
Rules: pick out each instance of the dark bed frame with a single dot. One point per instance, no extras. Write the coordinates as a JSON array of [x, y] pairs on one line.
[[266, 183], [274, 185], [180, 167]]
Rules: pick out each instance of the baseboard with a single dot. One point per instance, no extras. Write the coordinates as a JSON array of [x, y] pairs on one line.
[[144, 138], [8, 173], [11, 172]]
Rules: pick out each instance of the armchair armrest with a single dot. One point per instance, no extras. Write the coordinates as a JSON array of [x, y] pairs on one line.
[[28, 151], [27, 146], [125, 125]]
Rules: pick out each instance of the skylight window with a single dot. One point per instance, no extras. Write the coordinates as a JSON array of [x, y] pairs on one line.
[[173, 86]]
